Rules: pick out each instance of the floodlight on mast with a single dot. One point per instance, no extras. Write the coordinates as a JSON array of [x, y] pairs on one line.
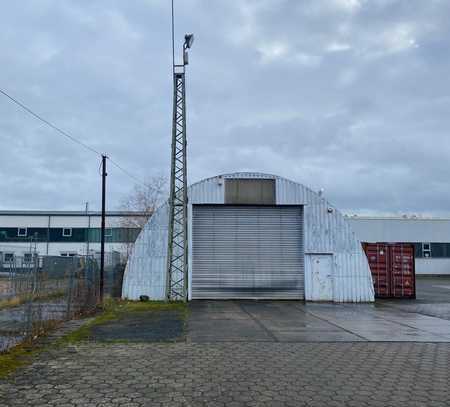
[[188, 40]]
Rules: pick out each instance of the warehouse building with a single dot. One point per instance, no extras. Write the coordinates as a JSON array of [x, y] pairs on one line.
[[64, 233], [255, 236], [430, 237]]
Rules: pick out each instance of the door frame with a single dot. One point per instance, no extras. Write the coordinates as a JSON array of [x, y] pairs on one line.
[[309, 277]]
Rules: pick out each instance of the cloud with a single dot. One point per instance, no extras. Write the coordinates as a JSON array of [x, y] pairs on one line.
[[399, 38], [273, 51], [349, 96], [279, 52], [348, 5], [337, 47]]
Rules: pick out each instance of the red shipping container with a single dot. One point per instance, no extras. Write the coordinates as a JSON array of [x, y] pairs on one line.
[[392, 267]]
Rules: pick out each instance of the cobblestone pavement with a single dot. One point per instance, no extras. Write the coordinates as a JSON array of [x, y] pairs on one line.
[[235, 374]]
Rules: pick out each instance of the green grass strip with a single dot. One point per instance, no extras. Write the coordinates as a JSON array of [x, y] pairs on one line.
[[20, 355], [114, 309], [24, 354]]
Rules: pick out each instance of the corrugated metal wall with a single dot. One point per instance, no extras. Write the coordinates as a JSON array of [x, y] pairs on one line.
[[326, 231], [145, 272]]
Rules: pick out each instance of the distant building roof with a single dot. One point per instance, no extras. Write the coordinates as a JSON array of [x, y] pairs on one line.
[[70, 213]]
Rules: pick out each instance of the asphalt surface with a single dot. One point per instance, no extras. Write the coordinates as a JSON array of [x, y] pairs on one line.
[[433, 298], [433, 289], [156, 326]]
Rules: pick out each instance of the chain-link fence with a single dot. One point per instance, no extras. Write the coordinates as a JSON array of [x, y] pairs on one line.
[[38, 292]]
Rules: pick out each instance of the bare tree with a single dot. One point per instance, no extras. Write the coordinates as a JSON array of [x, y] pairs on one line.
[[144, 200]]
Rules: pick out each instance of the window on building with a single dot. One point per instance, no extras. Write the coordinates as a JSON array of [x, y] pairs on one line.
[[438, 249], [426, 249], [108, 232], [67, 232], [22, 232], [68, 254], [447, 249], [9, 257], [417, 250], [27, 257]]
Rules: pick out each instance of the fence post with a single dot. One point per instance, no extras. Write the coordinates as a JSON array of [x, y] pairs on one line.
[[12, 280], [31, 292], [35, 271], [70, 290]]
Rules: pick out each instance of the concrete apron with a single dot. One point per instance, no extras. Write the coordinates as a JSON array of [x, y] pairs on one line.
[[291, 321]]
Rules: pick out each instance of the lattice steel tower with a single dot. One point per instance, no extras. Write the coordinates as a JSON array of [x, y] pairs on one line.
[[177, 250]]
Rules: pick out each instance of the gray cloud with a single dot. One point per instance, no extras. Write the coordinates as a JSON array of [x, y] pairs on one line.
[[348, 95]]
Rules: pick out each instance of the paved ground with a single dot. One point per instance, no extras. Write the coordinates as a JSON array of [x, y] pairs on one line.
[[254, 354], [433, 289], [289, 321], [156, 326], [426, 319], [236, 374], [433, 298]]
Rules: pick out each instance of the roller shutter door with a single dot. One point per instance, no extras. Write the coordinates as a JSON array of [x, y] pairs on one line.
[[247, 252]]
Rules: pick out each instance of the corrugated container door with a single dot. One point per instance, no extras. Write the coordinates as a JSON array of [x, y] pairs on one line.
[[378, 257], [392, 267], [402, 271], [247, 252]]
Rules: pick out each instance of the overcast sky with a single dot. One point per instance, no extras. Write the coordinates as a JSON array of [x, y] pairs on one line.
[[352, 96]]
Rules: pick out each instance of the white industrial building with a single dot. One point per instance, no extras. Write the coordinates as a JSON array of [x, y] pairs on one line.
[[430, 236], [255, 236], [64, 233]]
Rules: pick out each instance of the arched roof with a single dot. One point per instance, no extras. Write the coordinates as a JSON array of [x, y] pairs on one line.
[[326, 230]]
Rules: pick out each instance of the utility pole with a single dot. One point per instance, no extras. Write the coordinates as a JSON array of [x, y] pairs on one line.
[[88, 230], [177, 251], [102, 239]]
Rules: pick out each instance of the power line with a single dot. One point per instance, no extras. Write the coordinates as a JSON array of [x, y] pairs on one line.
[[127, 173], [62, 132], [67, 135]]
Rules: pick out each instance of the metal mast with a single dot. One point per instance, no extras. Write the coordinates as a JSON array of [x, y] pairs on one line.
[[177, 250]]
